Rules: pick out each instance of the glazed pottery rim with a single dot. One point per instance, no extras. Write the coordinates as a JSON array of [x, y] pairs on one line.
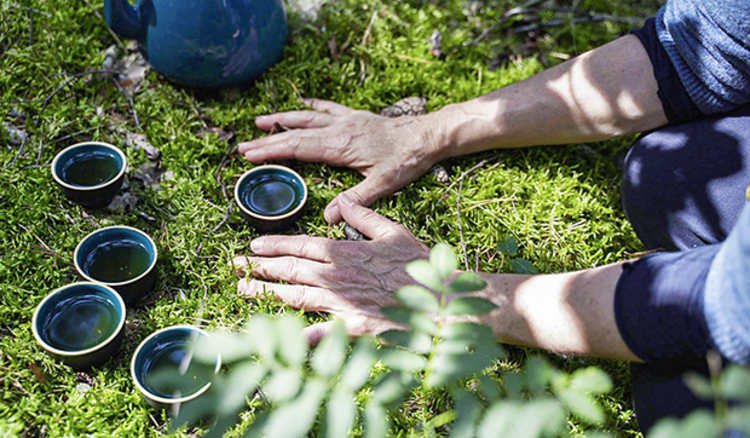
[[148, 270], [160, 399], [78, 353], [111, 181], [286, 215]]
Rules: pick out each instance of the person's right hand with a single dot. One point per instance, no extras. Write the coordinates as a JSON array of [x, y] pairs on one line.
[[389, 152]]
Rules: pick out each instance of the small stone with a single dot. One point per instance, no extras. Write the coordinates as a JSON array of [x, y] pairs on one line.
[[83, 388], [408, 106], [352, 234], [441, 175]]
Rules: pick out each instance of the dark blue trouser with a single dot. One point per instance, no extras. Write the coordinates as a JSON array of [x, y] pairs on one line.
[[683, 188]]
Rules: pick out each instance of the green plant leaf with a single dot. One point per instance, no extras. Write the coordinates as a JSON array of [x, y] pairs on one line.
[[389, 390], [231, 348], [468, 411], [738, 418], [411, 319], [467, 282], [283, 384], [376, 423], [261, 332], [498, 419], [418, 298], [341, 412], [735, 383], [522, 266], [424, 273], [508, 246], [698, 424], [294, 419], [403, 360], [294, 347], [242, 380], [329, 355], [581, 405], [443, 260], [699, 384], [357, 368], [591, 380], [537, 374], [417, 341], [469, 306]]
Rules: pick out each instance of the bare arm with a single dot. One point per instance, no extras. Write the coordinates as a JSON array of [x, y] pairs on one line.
[[604, 93], [571, 313]]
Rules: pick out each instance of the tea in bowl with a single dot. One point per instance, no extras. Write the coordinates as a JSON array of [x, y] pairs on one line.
[[164, 371], [271, 197], [90, 173], [80, 324], [121, 257]]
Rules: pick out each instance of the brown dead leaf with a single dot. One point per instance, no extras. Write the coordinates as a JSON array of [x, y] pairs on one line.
[[333, 48], [139, 141], [149, 173], [223, 133], [38, 373]]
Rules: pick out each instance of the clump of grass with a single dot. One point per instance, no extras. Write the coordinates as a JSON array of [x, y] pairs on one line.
[[562, 207]]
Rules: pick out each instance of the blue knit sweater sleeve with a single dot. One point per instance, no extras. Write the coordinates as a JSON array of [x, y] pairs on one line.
[[708, 42]]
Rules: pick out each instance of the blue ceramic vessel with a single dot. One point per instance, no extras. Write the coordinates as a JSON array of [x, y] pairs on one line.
[[270, 197], [167, 351], [204, 43], [80, 324], [122, 257], [90, 173]]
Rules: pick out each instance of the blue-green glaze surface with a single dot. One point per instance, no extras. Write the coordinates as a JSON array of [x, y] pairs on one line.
[[270, 193], [204, 43], [92, 174], [99, 244]]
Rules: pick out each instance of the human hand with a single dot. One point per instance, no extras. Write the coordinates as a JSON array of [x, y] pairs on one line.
[[352, 280], [389, 152]]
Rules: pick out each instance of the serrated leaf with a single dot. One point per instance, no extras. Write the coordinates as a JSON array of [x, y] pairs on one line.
[[467, 282], [388, 391], [581, 405], [329, 355], [403, 360], [357, 369], [416, 341], [424, 273], [293, 349], [508, 246], [443, 260], [469, 306], [410, 318], [294, 419], [341, 412], [699, 423], [418, 298], [537, 375], [498, 419], [591, 380], [448, 368], [522, 266], [283, 385]]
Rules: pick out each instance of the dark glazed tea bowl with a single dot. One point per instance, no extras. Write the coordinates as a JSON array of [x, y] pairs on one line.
[[121, 257], [165, 355], [80, 324], [90, 173], [271, 197]]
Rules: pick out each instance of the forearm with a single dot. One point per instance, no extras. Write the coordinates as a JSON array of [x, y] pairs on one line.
[[569, 313], [607, 92]]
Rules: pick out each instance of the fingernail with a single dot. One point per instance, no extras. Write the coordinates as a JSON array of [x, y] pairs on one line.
[[346, 200], [261, 118], [331, 213], [257, 245]]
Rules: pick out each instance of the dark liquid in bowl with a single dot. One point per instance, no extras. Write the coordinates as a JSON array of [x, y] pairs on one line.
[[173, 358], [113, 262], [271, 195], [80, 323], [90, 169]]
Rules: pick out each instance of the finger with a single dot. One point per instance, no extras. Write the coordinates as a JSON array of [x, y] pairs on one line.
[[364, 220], [316, 332], [308, 247], [313, 299], [332, 108], [291, 270], [240, 264], [295, 119], [364, 194], [303, 145]]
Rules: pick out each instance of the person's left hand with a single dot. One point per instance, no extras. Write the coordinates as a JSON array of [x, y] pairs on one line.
[[350, 279]]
